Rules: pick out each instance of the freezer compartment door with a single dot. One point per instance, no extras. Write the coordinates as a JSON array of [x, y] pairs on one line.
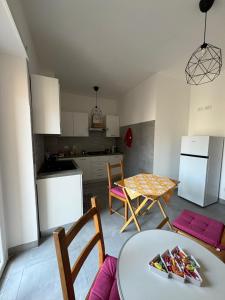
[[195, 145], [192, 176]]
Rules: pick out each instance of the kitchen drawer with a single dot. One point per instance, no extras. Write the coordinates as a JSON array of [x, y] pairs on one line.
[[98, 163], [99, 169], [115, 159], [98, 175]]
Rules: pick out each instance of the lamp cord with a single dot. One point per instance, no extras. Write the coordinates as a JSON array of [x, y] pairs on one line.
[[96, 99], [205, 26]]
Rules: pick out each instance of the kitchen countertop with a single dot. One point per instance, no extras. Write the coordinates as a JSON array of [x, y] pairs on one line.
[[90, 155], [76, 171]]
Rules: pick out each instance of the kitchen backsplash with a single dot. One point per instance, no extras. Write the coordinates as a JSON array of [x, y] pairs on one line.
[[96, 141], [39, 150]]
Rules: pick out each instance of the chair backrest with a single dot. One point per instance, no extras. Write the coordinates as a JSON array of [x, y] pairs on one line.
[[112, 175], [62, 241]]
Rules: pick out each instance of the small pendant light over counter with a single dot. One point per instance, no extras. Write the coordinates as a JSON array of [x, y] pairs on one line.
[[97, 119], [206, 62]]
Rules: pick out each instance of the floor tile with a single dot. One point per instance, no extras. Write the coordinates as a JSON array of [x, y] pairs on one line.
[[33, 274], [9, 286]]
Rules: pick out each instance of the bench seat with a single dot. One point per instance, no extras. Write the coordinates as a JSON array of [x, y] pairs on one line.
[[209, 232]]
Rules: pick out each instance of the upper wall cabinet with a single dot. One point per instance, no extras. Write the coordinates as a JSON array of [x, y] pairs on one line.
[[80, 124], [45, 105], [112, 126], [74, 124], [67, 123]]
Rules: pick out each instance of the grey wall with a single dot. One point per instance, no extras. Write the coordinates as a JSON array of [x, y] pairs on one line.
[[140, 156]]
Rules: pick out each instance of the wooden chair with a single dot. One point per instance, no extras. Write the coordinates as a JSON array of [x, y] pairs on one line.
[[62, 242], [115, 191]]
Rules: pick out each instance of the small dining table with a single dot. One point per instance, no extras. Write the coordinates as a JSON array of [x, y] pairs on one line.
[[135, 280], [151, 188]]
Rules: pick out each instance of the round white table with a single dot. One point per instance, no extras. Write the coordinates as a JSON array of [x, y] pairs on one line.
[[136, 281]]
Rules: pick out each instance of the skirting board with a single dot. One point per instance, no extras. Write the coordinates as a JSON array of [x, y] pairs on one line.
[[23, 247], [49, 232]]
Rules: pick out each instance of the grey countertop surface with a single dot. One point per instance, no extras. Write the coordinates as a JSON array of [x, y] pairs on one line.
[[76, 171], [89, 155]]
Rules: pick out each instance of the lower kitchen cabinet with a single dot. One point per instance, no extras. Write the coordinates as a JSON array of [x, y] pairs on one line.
[[60, 200], [85, 165], [94, 167]]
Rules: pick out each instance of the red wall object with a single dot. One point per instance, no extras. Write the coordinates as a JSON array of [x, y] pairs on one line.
[[128, 138]]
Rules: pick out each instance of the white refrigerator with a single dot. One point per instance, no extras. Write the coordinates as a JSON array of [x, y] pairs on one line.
[[200, 169]]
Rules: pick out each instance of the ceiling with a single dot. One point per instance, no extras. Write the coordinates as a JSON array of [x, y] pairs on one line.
[[118, 43]]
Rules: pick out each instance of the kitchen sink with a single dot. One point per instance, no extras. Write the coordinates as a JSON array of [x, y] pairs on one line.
[[57, 166]]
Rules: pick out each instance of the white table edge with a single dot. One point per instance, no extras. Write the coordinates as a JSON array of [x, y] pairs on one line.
[[117, 269]]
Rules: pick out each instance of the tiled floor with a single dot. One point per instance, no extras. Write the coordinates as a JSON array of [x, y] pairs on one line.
[[33, 274]]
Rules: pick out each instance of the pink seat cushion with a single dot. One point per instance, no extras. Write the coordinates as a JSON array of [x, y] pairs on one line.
[[118, 191], [105, 286], [206, 229]]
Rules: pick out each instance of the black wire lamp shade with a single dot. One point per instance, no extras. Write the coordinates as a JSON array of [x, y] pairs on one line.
[[204, 65], [206, 62]]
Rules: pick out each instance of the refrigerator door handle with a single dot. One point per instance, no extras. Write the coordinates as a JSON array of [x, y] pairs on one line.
[[192, 155]]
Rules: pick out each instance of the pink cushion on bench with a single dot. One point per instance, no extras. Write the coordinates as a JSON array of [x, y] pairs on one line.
[[105, 286], [206, 229], [118, 191]]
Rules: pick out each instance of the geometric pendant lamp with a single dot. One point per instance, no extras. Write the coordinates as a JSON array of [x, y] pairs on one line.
[[206, 62]]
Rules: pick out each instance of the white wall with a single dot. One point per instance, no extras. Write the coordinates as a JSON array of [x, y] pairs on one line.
[[21, 23], [207, 114], [3, 244], [80, 103], [172, 109], [165, 100], [16, 152], [139, 104]]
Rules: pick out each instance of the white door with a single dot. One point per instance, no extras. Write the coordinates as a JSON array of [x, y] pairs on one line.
[[192, 177], [195, 145], [112, 126], [3, 250], [45, 104], [60, 201], [80, 124], [67, 123]]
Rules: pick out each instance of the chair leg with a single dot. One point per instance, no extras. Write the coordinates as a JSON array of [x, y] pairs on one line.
[[133, 217], [125, 211], [138, 204], [110, 204], [165, 215]]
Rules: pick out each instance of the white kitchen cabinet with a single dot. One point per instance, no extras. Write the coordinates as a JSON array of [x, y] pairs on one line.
[[45, 105], [98, 167], [80, 124], [67, 123], [112, 126], [60, 201], [94, 167], [74, 124], [84, 163]]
